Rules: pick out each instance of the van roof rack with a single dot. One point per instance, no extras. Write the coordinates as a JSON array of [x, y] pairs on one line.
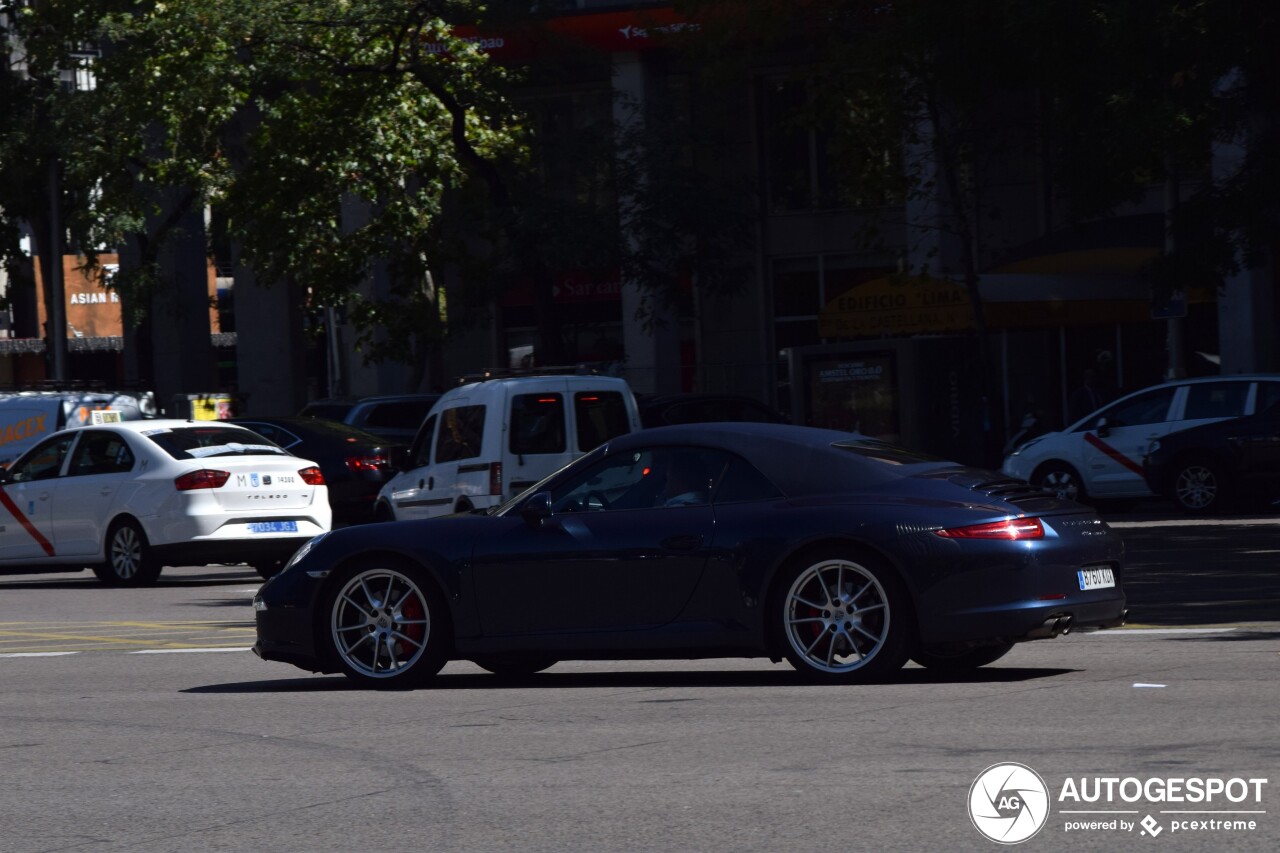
[[510, 372]]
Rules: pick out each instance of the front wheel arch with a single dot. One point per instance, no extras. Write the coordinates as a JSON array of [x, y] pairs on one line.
[[324, 597]]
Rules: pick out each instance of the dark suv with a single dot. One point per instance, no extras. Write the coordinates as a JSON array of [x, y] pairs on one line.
[[694, 408], [393, 416], [1218, 466]]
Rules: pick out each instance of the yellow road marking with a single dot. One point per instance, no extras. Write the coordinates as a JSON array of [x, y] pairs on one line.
[[108, 635]]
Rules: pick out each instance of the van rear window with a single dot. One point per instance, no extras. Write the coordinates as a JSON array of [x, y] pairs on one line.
[[600, 416], [537, 424]]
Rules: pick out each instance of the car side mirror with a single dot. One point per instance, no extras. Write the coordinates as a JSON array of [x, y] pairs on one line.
[[1103, 428], [536, 509]]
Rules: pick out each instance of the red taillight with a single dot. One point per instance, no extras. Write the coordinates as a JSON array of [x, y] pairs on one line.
[[202, 479], [495, 478], [1013, 528], [366, 463], [312, 476]]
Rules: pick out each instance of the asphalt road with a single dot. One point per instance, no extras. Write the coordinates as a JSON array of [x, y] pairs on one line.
[[143, 725]]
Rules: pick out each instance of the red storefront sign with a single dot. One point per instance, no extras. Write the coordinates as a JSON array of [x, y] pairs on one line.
[[611, 32]]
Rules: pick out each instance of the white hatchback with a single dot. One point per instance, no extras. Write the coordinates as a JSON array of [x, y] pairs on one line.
[[1100, 456], [127, 499]]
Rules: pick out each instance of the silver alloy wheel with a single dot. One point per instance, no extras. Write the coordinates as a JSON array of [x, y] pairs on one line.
[[1062, 483], [837, 616], [126, 552], [1196, 486], [381, 623]]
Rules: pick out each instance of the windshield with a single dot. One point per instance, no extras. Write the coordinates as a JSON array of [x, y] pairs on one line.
[[541, 486], [202, 442]]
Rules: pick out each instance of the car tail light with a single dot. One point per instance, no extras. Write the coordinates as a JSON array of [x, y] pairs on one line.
[[495, 478], [1013, 528], [367, 462], [312, 476], [205, 478]]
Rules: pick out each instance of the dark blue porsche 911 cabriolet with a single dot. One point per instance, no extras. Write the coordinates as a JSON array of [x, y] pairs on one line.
[[844, 555]]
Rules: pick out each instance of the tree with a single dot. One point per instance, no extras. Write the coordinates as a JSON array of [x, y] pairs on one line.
[[279, 112], [42, 50]]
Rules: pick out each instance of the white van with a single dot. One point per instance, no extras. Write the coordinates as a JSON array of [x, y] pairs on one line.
[[486, 441], [28, 416]]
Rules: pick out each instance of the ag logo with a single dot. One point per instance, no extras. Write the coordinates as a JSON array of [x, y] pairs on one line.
[[1008, 803]]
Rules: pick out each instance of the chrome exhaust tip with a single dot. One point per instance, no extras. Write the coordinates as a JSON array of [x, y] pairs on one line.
[[1050, 628]]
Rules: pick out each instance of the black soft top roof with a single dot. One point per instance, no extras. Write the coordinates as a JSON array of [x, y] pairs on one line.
[[799, 460]]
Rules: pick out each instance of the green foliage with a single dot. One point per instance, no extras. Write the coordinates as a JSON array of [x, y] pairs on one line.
[[280, 113]]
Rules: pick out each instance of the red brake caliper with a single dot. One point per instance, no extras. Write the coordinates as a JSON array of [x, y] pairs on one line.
[[412, 609]]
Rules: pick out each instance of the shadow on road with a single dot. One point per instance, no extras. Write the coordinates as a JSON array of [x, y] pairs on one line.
[[1197, 574], [25, 579], [596, 680]]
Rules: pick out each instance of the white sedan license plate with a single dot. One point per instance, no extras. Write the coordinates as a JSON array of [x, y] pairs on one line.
[[279, 527], [1100, 578]]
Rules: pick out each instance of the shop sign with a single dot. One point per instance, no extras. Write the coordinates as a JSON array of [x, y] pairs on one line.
[[897, 306]]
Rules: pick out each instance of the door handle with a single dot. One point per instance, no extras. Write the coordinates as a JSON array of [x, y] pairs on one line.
[[431, 483], [107, 490], [682, 542]]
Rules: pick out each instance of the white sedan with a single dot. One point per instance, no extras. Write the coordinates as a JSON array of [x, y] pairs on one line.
[[127, 499]]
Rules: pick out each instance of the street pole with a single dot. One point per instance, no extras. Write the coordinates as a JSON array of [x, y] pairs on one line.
[[1175, 328], [56, 339]]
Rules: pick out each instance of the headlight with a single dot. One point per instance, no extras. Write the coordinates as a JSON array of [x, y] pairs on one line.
[[1025, 446], [258, 603], [1153, 447], [305, 549]]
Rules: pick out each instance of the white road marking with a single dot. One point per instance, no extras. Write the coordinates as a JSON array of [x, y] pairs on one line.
[[190, 651], [1198, 522], [1140, 684], [37, 654], [1122, 632]]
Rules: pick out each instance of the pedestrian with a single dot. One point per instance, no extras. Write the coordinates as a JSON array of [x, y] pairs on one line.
[[1086, 399]]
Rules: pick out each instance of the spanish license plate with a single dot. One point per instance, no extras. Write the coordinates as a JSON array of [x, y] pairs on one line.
[[1099, 578], [283, 527]]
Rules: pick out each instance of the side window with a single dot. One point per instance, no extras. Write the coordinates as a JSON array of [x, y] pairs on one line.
[[44, 461], [606, 484], [420, 453], [100, 453], [461, 433], [537, 424], [743, 482], [599, 416], [1268, 396], [1149, 408], [1216, 400], [644, 479]]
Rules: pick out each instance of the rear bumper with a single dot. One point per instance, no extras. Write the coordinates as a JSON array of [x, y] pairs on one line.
[[1028, 621], [203, 552]]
